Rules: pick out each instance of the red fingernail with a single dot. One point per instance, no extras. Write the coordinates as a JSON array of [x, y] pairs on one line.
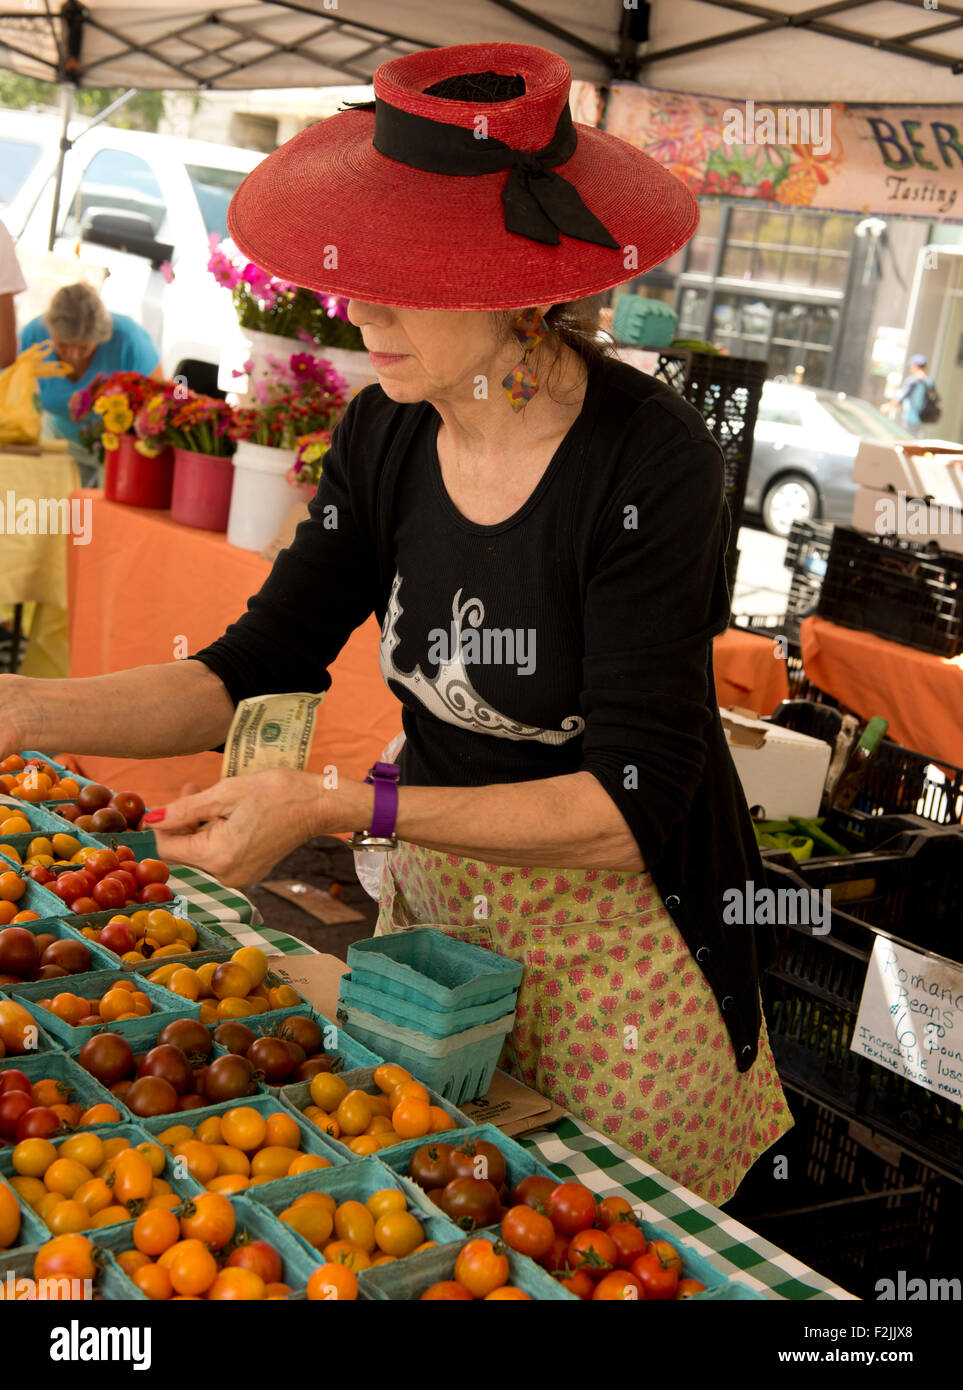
[[153, 816]]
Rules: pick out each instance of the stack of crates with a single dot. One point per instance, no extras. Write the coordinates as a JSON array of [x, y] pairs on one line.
[[441, 1007]]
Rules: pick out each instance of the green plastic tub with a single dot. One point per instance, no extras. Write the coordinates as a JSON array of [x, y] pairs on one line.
[[427, 969], [166, 1006], [407, 1280], [459, 1067]]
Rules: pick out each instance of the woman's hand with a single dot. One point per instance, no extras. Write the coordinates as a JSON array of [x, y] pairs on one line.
[[240, 828]]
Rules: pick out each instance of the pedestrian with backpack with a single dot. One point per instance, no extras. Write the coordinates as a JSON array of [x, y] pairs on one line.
[[918, 399]]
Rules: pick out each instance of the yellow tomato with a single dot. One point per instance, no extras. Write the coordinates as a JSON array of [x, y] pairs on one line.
[[385, 1200]]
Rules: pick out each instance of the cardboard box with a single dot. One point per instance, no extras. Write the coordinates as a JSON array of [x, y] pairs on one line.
[[881, 513], [781, 771], [926, 469]]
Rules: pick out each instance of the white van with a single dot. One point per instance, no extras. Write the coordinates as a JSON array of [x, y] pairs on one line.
[[130, 201]]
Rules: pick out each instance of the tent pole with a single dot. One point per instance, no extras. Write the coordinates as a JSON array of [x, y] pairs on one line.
[[66, 108]]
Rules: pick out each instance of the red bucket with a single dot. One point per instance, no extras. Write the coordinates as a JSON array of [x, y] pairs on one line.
[[135, 480], [202, 490]]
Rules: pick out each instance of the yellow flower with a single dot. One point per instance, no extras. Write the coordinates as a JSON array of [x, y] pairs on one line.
[[117, 401], [109, 441], [118, 419], [149, 451]]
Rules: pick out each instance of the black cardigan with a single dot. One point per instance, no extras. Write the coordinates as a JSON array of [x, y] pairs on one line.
[[626, 613]]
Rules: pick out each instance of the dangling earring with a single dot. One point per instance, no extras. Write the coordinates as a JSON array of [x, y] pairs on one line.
[[520, 384]]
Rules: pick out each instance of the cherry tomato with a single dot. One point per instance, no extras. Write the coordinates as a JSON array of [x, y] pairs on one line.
[[618, 1287], [533, 1191], [528, 1231], [482, 1266], [657, 1281], [571, 1208], [12, 1105], [124, 852], [102, 862], [667, 1255], [478, 1159], [155, 893], [108, 893], [470, 1202], [37, 1123], [594, 1251], [578, 1283], [612, 1209], [428, 1166], [629, 1241], [688, 1288], [447, 1291], [14, 1080], [152, 871]]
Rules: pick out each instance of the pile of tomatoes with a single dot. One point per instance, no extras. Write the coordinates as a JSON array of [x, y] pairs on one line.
[[27, 955], [120, 1000], [96, 878], [597, 1250], [87, 1181], [31, 779], [197, 1252], [467, 1182], [365, 1122], [481, 1272], [360, 1235], [292, 1050], [149, 934], [240, 1149], [236, 988], [34, 1110]]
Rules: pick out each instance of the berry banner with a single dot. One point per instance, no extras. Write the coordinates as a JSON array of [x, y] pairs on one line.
[[897, 161]]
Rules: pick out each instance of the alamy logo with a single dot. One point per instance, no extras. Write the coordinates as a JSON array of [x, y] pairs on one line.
[[783, 125], [484, 646], [917, 1290], [752, 906]]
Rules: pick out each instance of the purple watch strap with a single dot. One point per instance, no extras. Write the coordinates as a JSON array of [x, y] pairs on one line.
[[384, 778]]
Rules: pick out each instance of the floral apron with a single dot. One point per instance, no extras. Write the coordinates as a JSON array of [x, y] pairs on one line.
[[615, 1020]]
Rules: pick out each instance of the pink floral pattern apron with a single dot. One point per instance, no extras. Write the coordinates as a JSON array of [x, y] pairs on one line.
[[615, 1019]]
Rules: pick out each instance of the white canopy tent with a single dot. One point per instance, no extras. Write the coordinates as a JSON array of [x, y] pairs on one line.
[[788, 50]]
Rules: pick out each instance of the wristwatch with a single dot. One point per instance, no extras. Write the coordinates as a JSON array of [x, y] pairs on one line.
[[381, 833]]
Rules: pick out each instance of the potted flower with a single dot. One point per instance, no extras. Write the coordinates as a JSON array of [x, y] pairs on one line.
[[198, 430], [272, 312], [137, 472], [304, 396]]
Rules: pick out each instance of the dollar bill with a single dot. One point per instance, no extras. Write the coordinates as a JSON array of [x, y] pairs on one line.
[[270, 731]]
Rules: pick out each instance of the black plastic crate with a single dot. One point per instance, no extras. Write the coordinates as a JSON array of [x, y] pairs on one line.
[[807, 549], [898, 780], [802, 602], [895, 588], [811, 994], [850, 1204]]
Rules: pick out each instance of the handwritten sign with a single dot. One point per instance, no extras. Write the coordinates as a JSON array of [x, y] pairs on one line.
[[911, 1018]]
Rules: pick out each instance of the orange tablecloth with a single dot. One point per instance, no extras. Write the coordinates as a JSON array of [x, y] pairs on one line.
[[921, 695], [146, 590]]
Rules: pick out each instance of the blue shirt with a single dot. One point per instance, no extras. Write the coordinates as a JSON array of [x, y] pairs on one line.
[[129, 349]]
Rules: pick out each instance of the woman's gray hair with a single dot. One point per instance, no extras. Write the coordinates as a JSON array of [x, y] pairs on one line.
[[77, 314]]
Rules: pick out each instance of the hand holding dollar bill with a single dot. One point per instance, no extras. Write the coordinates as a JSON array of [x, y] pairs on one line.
[[271, 731]]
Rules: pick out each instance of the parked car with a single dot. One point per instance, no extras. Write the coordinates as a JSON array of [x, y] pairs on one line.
[[803, 448], [130, 202]]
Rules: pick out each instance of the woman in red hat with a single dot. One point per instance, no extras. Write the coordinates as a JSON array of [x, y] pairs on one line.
[[541, 530]]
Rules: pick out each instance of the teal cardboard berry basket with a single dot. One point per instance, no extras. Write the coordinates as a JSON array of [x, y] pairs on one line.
[[32, 1229], [78, 1084], [407, 1280], [16, 1275], [349, 1055], [519, 1163], [429, 970], [166, 1006]]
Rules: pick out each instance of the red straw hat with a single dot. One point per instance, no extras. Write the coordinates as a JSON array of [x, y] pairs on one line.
[[431, 201]]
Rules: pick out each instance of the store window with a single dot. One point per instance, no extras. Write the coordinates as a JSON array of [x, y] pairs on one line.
[[116, 180]]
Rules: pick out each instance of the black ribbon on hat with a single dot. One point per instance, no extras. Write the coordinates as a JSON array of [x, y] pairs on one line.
[[538, 202]]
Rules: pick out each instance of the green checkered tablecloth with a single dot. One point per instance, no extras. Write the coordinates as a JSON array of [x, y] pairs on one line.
[[570, 1147], [226, 911], [574, 1149]]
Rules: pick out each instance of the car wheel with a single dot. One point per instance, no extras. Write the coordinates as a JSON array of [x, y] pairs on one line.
[[792, 498]]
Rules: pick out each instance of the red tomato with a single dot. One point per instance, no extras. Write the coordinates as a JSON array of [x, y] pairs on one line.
[[116, 937], [667, 1255], [554, 1260], [260, 1256], [657, 1281], [127, 881], [152, 871], [571, 1208], [155, 893], [528, 1231], [124, 852], [14, 1080], [84, 905], [619, 1287], [688, 1288], [594, 1251], [578, 1283], [102, 862], [612, 1209], [533, 1191], [37, 1123], [71, 885], [629, 1242], [108, 893], [12, 1105]]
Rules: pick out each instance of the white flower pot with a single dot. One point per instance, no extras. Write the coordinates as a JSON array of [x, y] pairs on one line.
[[353, 365], [262, 495]]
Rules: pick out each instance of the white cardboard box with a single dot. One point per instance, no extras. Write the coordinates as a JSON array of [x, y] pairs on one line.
[[929, 468], [882, 513], [781, 771]]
